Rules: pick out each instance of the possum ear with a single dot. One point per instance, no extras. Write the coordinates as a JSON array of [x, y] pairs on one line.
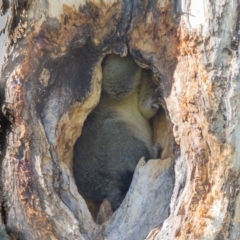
[[121, 76]]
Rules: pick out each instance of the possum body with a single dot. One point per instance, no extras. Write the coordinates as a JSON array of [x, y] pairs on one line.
[[117, 133]]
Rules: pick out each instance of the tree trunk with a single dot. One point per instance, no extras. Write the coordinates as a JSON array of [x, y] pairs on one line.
[[51, 80]]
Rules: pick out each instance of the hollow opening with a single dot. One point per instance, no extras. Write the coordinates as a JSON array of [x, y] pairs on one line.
[[129, 122]]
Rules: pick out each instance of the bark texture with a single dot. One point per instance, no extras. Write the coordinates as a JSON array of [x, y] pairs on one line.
[[50, 82]]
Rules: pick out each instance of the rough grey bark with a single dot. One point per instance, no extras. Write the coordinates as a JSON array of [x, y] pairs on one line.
[[51, 80]]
